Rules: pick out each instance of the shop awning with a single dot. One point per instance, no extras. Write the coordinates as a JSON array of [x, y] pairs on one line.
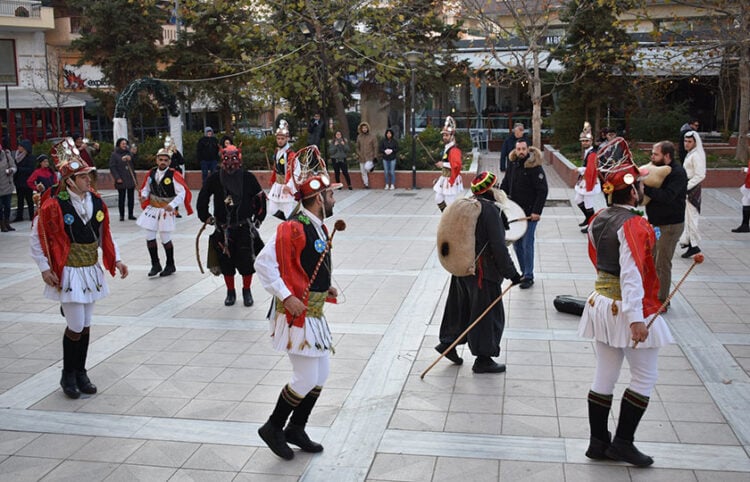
[[678, 61], [504, 59], [43, 99]]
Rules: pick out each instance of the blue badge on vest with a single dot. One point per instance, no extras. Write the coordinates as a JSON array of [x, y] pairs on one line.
[[69, 219], [320, 245]]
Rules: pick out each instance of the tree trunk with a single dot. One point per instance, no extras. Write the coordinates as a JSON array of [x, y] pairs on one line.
[[744, 73], [535, 90], [340, 113]]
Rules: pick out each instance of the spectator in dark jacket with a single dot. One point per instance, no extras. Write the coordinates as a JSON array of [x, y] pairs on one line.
[[510, 144], [315, 131], [389, 151], [25, 165], [526, 184], [207, 152], [122, 169]]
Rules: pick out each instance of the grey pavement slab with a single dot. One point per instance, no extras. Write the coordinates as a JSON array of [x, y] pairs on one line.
[[184, 382]]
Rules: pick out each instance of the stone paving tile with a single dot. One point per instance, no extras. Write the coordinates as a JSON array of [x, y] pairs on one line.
[[140, 473], [226, 458], [475, 470], [107, 449], [12, 442], [21, 469], [405, 468], [56, 446], [75, 470], [163, 453]]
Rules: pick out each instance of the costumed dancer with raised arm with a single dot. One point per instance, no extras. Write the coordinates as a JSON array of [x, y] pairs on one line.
[[621, 245], [588, 187], [295, 267], [281, 200], [239, 206], [449, 184], [71, 225], [162, 191]]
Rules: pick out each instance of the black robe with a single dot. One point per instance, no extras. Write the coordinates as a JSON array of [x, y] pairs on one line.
[[469, 296]]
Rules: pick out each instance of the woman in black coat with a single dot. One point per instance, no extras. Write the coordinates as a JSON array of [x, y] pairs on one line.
[[25, 165], [122, 169]]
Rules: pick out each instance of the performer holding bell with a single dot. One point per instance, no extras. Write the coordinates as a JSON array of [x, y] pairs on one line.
[[621, 247], [469, 296], [239, 206], [295, 267]]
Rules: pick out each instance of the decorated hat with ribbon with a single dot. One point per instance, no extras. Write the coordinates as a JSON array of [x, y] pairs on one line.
[[164, 152], [67, 159], [283, 128], [483, 182], [586, 133], [449, 127], [616, 166], [311, 177]]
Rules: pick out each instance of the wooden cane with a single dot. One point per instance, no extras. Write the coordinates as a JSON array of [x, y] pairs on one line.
[[264, 151], [197, 245], [466, 331], [697, 259], [427, 151]]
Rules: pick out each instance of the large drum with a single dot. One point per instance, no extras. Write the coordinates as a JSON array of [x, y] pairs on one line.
[[516, 219], [653, 176]]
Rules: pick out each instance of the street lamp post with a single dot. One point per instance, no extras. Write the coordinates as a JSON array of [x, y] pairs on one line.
[[412, 57]]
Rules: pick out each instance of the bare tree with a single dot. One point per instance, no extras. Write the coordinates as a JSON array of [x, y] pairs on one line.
[[516, 34], [47, 82]]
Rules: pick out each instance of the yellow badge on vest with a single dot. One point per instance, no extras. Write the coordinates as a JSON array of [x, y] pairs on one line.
[[100, 216]]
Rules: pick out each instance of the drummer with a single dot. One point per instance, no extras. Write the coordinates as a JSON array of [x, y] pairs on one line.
[[469, 296]]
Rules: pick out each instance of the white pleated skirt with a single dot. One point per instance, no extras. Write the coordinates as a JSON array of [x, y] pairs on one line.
[[79, 285]]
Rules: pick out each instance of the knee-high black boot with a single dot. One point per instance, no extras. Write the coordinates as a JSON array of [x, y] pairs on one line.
[[295, 431], [631, 410], [582, 207], [272, 432], [599, 406], [153, 251], [82, 378], [169, 268], [589, 214], [71, 340], [745, 226]]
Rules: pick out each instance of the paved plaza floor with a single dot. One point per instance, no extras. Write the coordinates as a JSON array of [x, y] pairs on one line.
[[185, 382]]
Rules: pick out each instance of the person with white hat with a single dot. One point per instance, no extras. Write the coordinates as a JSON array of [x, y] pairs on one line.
[[587, 187], [295, 267], [281, 200], [162, 191], [70, 227], [449, 184], [621, 248]]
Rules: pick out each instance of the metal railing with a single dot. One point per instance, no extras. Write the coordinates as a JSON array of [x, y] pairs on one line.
[[20, 8]]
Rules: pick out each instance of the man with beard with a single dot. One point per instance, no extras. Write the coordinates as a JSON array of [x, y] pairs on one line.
[[526, 184], [295, 267], [285, 170], [162, 191], [621, 248], [666, 211], [239, 206], [587, 187], [469, 296]]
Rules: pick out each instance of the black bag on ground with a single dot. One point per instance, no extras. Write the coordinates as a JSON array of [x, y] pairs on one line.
[[570, 304]]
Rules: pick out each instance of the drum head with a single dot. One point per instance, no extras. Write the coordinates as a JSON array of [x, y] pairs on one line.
[[516, 218]]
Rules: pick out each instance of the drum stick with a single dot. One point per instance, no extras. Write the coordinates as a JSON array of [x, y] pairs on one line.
[[467, 330], [527, 218]]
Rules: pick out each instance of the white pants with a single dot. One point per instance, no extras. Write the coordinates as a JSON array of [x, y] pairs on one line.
[[643, 368], [691, 235], [78, 315], [363, 171], [308, 372], [166, 236]]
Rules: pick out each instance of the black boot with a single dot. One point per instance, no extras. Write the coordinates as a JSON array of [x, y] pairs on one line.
[[153, 251], [169, 268], [82, 378], [599, 441], [231, 298], [582, 207], [280, 214], [589, 213], [691, 251], [485, 364], [441, 205], [247, 297], [295, 432], [451, 355], [272, 432], [745, 226], [632, 408], [70, 349]]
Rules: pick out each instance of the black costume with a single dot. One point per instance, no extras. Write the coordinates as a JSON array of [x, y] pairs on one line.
[[469, 296], [236, 240]]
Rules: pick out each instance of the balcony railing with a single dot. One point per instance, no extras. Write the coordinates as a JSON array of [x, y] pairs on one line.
[[20, 8]]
